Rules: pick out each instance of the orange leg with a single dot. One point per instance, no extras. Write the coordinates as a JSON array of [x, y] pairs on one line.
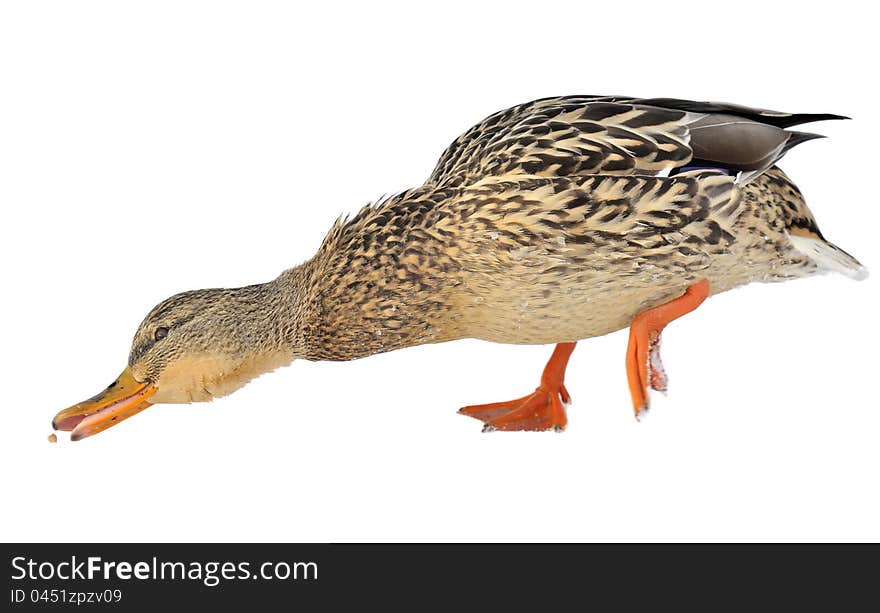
[[540, 410], [643, 365]]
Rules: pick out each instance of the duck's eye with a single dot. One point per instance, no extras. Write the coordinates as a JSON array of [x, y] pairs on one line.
[[161, 333]]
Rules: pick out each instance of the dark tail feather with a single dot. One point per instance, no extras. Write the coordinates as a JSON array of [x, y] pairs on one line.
[[797, 138], [794, 139], [772, 118], [797, 119]]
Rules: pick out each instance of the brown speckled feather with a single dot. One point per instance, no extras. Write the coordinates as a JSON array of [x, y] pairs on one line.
[[567, 136]]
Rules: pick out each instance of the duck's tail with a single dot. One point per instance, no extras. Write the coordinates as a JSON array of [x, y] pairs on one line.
[[828, 256], [801, 227]]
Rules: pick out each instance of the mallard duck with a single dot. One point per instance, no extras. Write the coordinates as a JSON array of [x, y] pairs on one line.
[[550, 222]]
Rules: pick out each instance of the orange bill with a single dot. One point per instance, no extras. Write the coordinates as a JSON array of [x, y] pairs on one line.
[[123, 398]]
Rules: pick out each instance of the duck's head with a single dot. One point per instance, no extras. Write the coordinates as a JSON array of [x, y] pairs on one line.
[[192, 347]]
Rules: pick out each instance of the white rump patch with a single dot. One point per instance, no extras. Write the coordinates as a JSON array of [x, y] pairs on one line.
[[829, 257]]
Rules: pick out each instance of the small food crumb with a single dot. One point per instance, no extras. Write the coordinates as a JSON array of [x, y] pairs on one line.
[[53, 438]]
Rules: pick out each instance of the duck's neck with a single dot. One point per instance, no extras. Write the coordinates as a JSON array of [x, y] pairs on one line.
[[299, 311], [270, 314], [343, 310]]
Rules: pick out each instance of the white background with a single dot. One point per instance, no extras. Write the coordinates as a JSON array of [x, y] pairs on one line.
[[152, 148]]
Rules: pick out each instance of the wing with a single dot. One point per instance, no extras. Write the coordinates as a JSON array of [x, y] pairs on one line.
[[586, 135], [670, 222]]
